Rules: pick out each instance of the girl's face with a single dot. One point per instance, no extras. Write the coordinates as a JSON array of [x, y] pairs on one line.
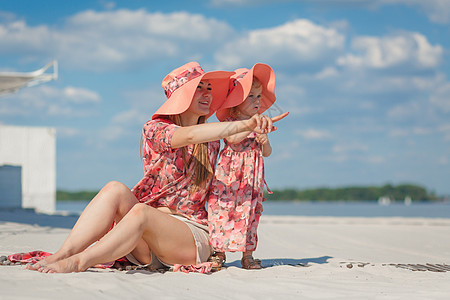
[[251, 105], [202, 99]]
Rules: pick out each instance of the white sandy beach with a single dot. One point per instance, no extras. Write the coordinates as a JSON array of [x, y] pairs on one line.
[[304, 258]]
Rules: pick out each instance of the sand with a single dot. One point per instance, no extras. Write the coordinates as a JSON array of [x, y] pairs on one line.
[[304, 258]]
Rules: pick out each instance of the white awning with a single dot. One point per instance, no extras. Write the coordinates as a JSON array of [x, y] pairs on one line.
[[11, 82]]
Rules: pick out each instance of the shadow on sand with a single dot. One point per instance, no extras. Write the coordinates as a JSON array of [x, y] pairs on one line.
[[29, 216], [273, 262]]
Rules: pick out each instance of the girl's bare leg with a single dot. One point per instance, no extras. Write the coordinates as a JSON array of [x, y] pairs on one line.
[[112, 203], [169, 238]]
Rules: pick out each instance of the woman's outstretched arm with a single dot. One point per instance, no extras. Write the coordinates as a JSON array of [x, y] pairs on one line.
[[208, 132]]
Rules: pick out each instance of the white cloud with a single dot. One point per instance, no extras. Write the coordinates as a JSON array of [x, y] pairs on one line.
[[398, 132], [141, 105], [376, 159], [110, 134], [297, 42], [80, 95], [366, 105], [350, 148], [438, 11], [406, 49], [441, 97], [68, 94], [47, 100], [108, 40], [283, 153], [421, 130], [345, 156], [313, 134], [327, 72], [67, 132], [129, 116], [443, 160], [108, 4], [409, 85], [146, 100], [445, 129], [238, 2], [291, 98], [405, 110]]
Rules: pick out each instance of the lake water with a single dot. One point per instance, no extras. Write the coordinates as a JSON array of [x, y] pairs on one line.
[[329, 209]]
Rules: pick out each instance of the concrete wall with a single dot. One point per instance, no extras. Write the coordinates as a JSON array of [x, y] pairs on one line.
[[34, 149]]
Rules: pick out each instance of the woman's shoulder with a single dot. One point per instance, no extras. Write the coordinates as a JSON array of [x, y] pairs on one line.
[[159, 120], [159, 124]]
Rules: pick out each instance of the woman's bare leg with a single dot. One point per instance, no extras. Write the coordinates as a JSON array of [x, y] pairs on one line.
[[169, 238], [112, 203]]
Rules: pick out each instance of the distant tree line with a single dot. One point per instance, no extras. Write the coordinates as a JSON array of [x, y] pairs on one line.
[[74, 196], [370, 193]]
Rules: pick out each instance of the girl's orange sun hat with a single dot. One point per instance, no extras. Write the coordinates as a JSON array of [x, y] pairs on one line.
[[181, 84], [241, 84]]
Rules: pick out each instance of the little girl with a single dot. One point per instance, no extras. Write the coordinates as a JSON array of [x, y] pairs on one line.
[[235, 202]]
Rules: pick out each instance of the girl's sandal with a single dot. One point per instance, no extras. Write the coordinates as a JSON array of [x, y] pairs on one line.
[[218, 261], [249, 263]]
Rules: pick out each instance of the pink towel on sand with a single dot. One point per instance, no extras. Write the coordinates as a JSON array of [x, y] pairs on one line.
[[28, 257], [204, 268]]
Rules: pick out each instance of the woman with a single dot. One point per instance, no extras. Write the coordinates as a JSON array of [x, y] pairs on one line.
[[162, 220]]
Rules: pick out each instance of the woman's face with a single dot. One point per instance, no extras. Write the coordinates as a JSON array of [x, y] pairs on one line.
[[202, 99], [251, 105]]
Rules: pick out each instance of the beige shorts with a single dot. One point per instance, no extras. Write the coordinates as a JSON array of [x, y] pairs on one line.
[[201, 238]]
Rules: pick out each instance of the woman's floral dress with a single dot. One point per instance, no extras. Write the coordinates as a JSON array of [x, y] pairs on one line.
[[235, 201], [166, 182]]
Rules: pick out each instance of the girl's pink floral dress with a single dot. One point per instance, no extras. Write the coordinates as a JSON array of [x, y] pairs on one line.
[[166, 183], [235, 201]]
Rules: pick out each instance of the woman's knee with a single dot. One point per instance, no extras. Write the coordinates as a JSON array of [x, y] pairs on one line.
[[117, 192], [114, 187], [118, 196], [140, 211]]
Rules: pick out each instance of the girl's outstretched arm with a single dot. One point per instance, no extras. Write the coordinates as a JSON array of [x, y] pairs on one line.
[[208, 132], [266, 148]]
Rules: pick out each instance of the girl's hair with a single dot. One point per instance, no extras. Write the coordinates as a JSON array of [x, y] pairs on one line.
[[234, 112], [200, 158]]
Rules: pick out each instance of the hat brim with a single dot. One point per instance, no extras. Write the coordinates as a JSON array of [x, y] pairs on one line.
[[181, 98], [266, 76]]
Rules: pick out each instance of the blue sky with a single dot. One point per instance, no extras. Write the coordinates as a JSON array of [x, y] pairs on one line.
[[366, 82]]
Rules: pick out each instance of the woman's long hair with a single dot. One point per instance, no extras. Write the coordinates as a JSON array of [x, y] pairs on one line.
[[200, 159]]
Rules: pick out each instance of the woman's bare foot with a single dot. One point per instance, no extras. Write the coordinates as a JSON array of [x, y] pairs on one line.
[[36, 266], [44, 262], [67, 265]]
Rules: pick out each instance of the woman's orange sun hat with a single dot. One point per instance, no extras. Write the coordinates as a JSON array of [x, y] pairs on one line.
[[181, 84], [241, 84]]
